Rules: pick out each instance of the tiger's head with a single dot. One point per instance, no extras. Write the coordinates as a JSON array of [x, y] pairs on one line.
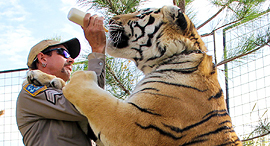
[[150, 36]]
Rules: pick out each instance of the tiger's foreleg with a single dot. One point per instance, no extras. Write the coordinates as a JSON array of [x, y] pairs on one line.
[[106, 114]]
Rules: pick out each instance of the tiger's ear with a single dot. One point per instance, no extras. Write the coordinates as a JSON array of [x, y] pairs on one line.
[[176, 16]]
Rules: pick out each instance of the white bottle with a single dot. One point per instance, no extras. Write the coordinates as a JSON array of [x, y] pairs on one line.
[[76, 16]]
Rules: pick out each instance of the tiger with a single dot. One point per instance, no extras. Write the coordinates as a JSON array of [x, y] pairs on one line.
[[179, 101]]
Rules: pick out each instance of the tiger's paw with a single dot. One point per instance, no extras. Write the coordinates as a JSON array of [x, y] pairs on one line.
[[40, 78], [82, 83], [57, 83]]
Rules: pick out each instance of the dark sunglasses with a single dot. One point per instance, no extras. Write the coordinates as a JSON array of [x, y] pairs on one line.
[[60, 51]]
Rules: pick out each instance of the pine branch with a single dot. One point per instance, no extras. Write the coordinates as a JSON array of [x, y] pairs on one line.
[[256, 137], [208, 34], [241, 55], [119, 83], [210, 19]]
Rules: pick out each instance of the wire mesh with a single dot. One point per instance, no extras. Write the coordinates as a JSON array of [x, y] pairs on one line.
[[10, 86], [248, 82]]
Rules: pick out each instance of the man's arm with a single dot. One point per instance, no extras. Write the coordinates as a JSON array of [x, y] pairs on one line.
[[96, 62], [95, 35]]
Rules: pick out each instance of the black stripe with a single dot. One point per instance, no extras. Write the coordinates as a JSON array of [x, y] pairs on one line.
[[179, 130], [147, 12], [161, 51], [144, 109], [182, 70], [227, 121], [218, 95], [150, 21], [231, 143], [170, 62], [153, 76], [214, 69], [174, 84], [149, 43], [131, 27], [142, 30], [215, 111], [149, 89], [136, 59], [157, 11], [215, 131], [160, 131]]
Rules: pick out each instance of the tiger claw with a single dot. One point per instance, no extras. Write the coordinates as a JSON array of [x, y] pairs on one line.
[[31, 78], [57, 83]]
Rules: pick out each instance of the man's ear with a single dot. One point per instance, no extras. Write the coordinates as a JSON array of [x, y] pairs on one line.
[[41, 57]]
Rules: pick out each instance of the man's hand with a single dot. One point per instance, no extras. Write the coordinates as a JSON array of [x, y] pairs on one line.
[[94, 32]]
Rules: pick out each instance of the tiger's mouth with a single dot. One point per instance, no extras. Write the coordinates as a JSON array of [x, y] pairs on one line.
[[117, 34]]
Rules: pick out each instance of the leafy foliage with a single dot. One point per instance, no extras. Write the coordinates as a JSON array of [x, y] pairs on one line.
[[257, 136], [250, 43], [114, 7], [121, 77]]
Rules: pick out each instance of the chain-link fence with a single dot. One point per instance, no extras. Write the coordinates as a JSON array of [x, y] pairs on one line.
[[248, 83], [10, 86]]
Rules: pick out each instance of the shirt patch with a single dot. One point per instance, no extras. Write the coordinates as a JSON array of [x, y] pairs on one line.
[[52, 96], [33, 90]]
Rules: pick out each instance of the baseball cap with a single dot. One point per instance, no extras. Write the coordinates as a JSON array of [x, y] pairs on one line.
[[73, 46]]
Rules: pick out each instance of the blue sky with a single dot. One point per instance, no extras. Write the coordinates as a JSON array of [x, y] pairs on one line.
[[23, 23]]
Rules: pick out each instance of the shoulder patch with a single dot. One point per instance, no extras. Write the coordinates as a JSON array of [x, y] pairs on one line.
[[52, 96], [33, 90]]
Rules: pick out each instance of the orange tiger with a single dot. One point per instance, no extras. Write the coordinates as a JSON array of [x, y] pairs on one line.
[[178, 102]]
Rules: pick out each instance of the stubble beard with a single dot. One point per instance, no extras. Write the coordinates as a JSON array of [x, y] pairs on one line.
[[65, 71]]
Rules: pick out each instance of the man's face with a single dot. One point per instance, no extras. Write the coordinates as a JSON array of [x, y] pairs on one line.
[[58, 65]]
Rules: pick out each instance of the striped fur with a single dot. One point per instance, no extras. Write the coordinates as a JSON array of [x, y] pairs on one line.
[[178, 102]]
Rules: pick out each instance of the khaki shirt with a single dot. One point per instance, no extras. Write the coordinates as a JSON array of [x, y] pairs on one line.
[[46, 118]]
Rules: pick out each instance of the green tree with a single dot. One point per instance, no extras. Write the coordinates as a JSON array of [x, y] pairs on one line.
[[121, 74]]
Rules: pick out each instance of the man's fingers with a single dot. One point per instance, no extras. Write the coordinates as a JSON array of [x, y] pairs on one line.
[[86, 20], [94, 20]]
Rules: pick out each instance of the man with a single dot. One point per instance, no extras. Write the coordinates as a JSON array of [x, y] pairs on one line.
[[44, 116]]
